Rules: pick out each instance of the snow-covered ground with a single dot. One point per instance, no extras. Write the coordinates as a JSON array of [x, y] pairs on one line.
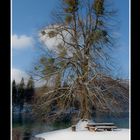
[[82, 133], [68, 134]]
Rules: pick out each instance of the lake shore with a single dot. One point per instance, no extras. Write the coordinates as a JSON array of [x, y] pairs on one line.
[[68, 134]]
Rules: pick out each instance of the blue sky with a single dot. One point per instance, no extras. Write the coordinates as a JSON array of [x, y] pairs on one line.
[[28, 16]]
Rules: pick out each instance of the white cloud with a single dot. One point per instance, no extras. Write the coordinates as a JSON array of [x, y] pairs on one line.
[[17, 75], [22, 41], [53, 42]]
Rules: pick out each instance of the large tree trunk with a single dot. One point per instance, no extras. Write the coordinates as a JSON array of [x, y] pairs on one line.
[[85, 106], [83, 92], [85, 114]]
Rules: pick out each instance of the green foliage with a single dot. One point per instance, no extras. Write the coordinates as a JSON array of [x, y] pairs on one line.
[[62, 50], [71, 2], [104, 33], [48, 69], [72, 6], [99, 7], [46, 65], [43, 60], [51, 60], [61, 63], [99, 35], [100, 23], [52, 34]]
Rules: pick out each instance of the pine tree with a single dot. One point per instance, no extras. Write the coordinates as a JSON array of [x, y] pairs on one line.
[[14, 93], [29, 90], [21, 93]]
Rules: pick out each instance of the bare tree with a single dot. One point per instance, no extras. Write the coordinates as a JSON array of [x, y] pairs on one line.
[[79, 65]]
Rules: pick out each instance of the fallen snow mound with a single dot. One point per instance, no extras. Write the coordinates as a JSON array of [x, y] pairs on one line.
[[80, 126]]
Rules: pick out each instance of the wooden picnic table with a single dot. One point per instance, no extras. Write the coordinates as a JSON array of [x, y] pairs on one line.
[[103, 126]]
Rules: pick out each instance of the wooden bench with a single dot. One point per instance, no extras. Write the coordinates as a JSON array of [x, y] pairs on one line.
[[90, 128], [108, 128], [101, 126]]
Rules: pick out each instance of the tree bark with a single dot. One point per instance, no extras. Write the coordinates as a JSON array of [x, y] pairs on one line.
[[84, 103]]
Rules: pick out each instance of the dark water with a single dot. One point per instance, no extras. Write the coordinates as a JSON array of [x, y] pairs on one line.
[[25, 127], [121, 120]]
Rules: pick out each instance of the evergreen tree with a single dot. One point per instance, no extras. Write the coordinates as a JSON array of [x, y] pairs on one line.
[[14, 93], [21, 94], [29, 90]]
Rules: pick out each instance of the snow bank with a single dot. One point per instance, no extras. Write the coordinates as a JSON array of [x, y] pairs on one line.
[[68, 134], [82, 133]]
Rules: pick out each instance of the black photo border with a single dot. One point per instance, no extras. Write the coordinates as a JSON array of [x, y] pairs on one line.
[[5, 68], [135, 68], [5, 55]]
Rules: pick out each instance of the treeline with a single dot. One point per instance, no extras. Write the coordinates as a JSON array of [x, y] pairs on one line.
[[22, 93]]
